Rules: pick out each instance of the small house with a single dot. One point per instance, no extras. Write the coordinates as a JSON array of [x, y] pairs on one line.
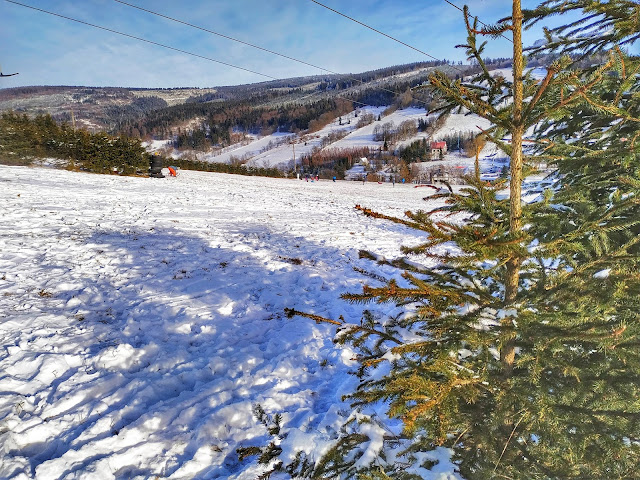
[[438, 149]]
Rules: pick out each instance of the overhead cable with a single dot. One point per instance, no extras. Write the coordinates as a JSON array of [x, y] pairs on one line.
[[142, 39], [382, 33], [220, 34], [195, 54], [252, 45]]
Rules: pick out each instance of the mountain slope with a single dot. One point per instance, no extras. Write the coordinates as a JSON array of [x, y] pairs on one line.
[[112, 108]]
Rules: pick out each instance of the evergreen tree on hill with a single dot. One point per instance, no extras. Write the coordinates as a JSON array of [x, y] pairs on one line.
[[518, 348]]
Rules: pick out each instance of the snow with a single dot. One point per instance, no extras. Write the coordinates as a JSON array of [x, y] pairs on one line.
[[458, 123], [537, 73], [156, 145], [141, 319], [602, 273], [363, 137], [304, 145], [253, 149], [278, 149]]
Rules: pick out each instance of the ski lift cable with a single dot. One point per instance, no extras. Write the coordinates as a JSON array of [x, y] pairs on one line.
[[179, 50], [141, 39], [383, 34], [256, 46], [173, 19]]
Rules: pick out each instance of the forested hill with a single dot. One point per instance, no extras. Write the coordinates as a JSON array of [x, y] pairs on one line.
[[296, 101]]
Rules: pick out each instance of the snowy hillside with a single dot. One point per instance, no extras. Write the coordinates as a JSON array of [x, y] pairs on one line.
[[278, 150], [141, 319]]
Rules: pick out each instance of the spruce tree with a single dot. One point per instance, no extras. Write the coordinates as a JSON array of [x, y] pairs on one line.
[[518, 348]]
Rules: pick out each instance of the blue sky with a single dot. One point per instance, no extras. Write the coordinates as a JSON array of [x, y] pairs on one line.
[[48, 50]]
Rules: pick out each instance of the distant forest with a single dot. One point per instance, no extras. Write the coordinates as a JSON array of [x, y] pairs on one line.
[[208, 119], [264, 113], [281, 105]]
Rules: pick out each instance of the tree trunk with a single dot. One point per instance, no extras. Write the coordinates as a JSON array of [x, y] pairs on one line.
[[507, 352]]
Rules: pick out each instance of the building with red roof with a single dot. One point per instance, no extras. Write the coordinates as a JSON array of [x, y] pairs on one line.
[[438, 149]]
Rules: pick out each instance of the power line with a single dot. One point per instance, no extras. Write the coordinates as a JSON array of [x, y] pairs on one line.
[[180, 50], [395, 39], [454, 5], [221, 35], [141, 39], [195, 54], [253, 45], [381, 33], [271, 51]]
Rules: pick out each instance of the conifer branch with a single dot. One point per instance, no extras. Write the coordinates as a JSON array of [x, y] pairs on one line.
[[290, 313], [461, 96], [515, 427], [370, 213], [596, 412], [472, 50], [551, 72]]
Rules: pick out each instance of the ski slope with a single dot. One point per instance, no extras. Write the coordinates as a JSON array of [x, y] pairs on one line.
[[141, 319], [278, 149]]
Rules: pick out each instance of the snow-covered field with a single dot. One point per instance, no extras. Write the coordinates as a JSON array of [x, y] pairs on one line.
[[140, 319]]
